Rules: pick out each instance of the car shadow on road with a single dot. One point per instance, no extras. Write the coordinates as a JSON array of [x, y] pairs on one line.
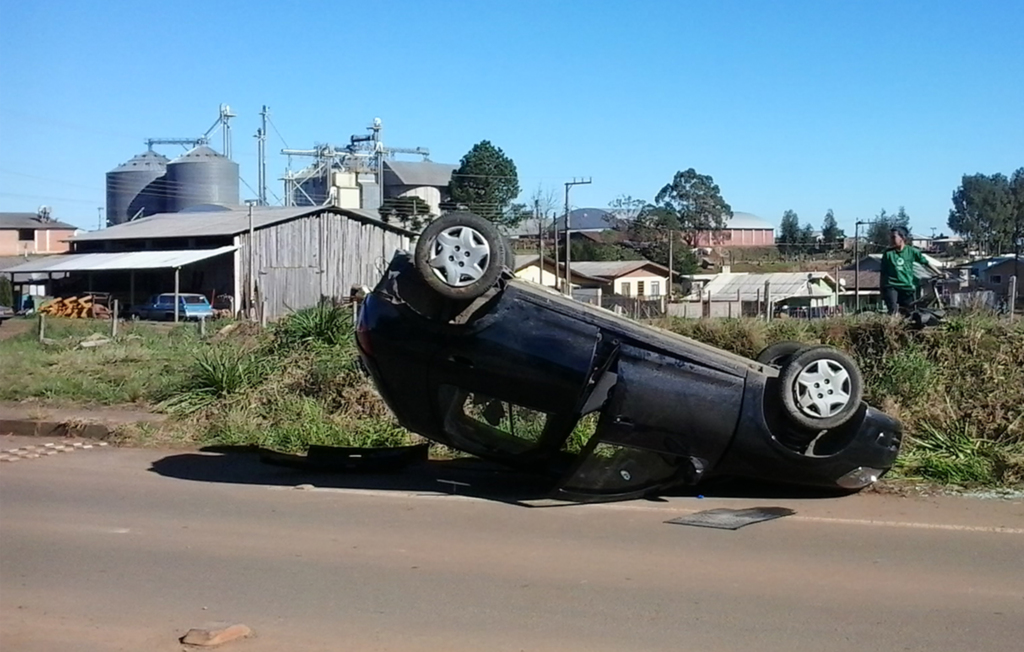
[[470, 477]]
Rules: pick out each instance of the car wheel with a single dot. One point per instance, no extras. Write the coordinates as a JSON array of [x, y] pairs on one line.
[[510, 254], [779, 353], [460, 255], [822, 387]]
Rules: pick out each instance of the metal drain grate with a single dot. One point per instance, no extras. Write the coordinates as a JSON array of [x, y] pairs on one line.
[[732, 519]]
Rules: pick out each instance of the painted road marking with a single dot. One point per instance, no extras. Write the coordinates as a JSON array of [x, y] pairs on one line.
[[44, 450]]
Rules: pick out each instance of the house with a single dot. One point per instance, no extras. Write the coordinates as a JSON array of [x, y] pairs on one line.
[[994, 274], [23, 234], [299, 255], [736, 294], [946, 246], [922, 242], [807, 289], [741, 230], [631, 278]]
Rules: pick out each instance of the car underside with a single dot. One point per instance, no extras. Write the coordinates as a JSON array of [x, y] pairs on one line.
[[608, 408]]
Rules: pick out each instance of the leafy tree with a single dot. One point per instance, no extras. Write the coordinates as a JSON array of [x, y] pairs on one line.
[[695, 201], [789, 233], [831, 234], [983, 210], [412, 212], [652, 231], [486, 183], [878, 231], [590, 250], [1017, 192], [789, 228], [807, 240], [515, 214], [625, 209], [986, 210]]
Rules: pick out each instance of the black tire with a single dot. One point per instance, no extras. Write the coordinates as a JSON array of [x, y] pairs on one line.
[[812, 419], [510, 254], [779, 353], [486, 236]]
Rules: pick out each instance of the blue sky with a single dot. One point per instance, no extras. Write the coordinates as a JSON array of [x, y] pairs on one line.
[[800, 105]]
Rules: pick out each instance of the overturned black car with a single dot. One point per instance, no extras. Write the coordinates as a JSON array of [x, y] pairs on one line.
[[471, 357]]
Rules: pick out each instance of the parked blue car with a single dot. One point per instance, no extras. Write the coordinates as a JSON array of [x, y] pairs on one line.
[[161, 307]]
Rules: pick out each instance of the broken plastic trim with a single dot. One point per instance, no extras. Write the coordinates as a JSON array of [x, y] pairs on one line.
[[859, 478]]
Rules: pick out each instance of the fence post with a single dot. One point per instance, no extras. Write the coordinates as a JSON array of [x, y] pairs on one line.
[[767, 301], [1013, 297], [113, 320], [263, 314], [202, 327], [42, 326]]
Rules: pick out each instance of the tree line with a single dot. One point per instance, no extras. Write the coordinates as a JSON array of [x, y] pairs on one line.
[[689, 212]]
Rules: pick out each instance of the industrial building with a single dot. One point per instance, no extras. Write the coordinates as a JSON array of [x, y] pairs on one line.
[[299, 254], [361, 175]]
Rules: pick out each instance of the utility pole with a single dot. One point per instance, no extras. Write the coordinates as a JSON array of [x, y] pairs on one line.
[[261, 141], [540, 238], [568, 232], [671, 274], [251, 302], [856, 260], [99, 217]]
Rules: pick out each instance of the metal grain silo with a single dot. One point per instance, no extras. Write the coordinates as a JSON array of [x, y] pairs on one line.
[[201, 176], [136, 185]]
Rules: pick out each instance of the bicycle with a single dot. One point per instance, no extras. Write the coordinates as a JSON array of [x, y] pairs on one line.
[[929, 309]]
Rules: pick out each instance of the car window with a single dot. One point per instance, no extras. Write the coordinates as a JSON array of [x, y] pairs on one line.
[[195, 300], [493, 424]]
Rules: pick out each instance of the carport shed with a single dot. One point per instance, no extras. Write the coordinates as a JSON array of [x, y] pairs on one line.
[[300, 254], [103, 270]]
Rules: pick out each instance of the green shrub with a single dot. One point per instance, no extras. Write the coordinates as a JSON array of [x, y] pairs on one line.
[[218, 373], [326, 324]]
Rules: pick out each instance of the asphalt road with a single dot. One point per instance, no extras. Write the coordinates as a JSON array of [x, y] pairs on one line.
[[106, 549]]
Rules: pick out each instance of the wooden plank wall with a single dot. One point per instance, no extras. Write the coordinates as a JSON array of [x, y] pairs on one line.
[[301, 260]]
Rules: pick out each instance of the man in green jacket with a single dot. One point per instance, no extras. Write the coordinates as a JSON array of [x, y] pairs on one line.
[[898, 280]]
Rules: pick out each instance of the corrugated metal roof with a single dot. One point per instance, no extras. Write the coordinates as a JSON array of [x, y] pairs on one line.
[[614, 268], [221, 223], [781, 285], [132, 260], [31, 221], [868, 280], [421, 173]]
